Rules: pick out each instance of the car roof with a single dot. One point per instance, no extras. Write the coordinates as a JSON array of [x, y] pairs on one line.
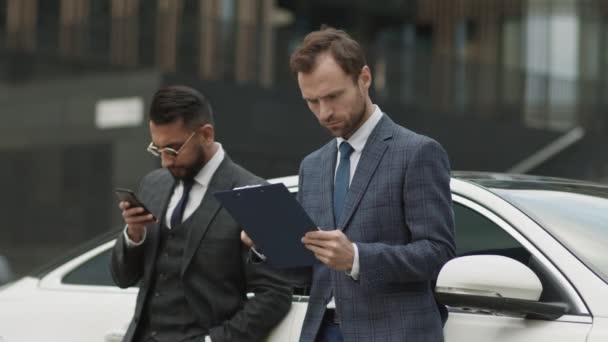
[[476, 177], [506, 181], [490, 180]]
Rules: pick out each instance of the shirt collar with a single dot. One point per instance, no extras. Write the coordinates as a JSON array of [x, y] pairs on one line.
[[359, 138], [203, 177]]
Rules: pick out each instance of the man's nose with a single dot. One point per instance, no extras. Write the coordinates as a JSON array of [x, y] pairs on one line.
[[166, 160], [325, 111]]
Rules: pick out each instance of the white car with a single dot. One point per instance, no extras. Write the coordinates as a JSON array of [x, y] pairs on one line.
[[532, 266]]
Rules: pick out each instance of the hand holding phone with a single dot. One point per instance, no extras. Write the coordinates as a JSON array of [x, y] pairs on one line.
[[127, 195], [136, 215]]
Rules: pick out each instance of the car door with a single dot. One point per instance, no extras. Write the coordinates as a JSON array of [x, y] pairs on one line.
[[82, 301], [480, 232]]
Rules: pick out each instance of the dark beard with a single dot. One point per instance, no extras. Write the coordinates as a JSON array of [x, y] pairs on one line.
[[194, 169], [359, 120]]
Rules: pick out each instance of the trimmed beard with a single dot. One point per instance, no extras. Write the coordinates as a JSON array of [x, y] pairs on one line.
[[193, 169]]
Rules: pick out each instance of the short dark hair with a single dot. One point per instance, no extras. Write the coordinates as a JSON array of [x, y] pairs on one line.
[[177, 101], [346, 52]]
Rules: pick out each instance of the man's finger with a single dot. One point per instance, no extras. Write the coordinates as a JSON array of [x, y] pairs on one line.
[[316, 242], [138, 219], [324, 256], [124, 205], [318, 235], [319, 251], [323, 260], [317, 238], [246, 240], [325, 235], [137, 211]]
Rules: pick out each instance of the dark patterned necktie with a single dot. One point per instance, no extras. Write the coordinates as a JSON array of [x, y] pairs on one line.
[[178, 212], [342, 180]]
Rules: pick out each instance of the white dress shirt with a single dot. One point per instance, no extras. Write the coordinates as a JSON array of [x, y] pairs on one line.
[[199, 188], [357, 141], [198, 191]]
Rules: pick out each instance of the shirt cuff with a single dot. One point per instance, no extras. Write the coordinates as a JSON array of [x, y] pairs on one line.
[[208, 338], [131, 243], [354, 272]]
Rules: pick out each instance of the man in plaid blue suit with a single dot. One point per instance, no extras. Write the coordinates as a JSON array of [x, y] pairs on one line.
[[380, 195], [387, 235]]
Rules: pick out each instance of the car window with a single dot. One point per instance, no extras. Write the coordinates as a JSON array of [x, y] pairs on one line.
[[476, 234], [574, 215], [95, 271]]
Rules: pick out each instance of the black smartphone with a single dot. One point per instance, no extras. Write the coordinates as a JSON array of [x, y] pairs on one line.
[[128, 195]]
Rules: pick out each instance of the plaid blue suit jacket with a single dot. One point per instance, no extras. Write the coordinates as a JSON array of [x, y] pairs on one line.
[[398, 211]]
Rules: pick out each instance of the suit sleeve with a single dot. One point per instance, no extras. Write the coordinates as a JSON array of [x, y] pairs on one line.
[[428, 215], [126, 263], [262, 312]]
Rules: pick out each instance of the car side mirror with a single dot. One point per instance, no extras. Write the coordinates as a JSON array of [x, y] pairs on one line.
[[496, 285]]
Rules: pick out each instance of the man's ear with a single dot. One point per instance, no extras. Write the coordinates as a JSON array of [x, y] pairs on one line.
[[207, 133], [365, 78]]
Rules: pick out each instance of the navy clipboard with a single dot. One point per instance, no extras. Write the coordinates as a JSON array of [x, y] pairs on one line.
[[274, 219]]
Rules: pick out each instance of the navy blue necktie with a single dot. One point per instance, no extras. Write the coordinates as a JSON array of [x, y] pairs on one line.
[[342, 180], [178, 212]]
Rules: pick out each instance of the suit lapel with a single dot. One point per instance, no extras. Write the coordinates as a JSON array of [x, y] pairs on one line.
[[222, 180], [371, 156], [328, 166]]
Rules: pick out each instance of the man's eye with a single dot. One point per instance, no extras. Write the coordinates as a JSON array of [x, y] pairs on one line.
[[333, 96]]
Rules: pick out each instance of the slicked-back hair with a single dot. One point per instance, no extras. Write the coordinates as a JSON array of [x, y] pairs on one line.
[[174, 102], [345, 51]]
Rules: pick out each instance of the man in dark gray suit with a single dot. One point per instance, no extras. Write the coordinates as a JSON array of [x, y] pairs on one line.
[[381, 196], [190, 264]]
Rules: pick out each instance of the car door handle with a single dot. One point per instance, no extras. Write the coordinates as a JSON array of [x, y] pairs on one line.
[[114, 336]]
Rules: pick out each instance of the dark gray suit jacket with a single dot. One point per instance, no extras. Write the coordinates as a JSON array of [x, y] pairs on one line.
[[215, 273], [398, 211]]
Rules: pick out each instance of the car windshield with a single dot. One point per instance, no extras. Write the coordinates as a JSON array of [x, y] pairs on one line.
[[576, 215]]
